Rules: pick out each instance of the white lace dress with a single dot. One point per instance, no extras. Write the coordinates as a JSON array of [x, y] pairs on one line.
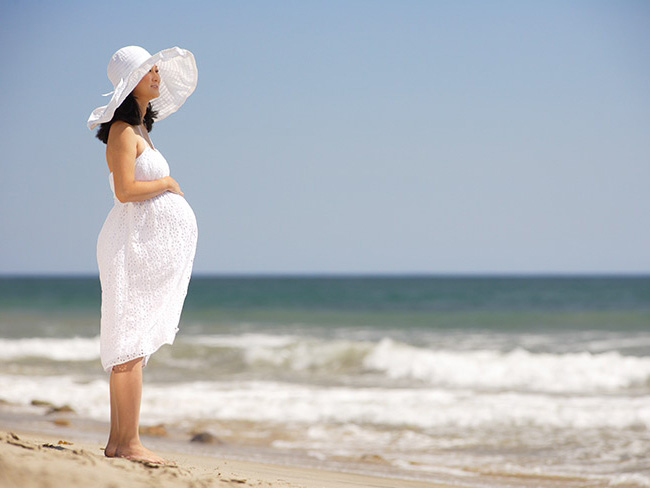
[[145, 253]]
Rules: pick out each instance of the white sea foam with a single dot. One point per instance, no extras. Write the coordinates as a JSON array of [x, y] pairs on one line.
[[519, 369], [305, 355], [401, 408], [88, 398], [242, 341], [516, 370], [435, 427], [57, 349], [630, 479], [618, 343]]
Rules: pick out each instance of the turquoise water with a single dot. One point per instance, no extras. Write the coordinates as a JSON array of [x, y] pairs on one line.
[[601, 303], [527, 376]]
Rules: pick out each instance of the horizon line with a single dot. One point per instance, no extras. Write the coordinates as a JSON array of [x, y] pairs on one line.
[[358, 274]]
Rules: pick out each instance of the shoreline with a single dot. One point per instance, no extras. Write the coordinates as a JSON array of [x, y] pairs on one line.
[[45, 449], [35, 460], [37, 452]]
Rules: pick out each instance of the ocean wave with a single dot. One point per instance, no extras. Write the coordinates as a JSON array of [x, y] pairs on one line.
[[241, 341], [56, 349], [313, 355], [381, 363], [422, 409], [433, 427], [519, 369]]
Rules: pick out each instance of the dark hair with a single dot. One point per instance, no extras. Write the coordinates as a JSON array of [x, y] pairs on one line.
[[129, 112]]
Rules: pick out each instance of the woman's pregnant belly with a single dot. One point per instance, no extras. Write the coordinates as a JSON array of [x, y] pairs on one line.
[[158, 235], [172, 212]]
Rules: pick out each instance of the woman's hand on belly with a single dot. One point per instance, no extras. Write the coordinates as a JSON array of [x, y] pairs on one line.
[[174, 187]]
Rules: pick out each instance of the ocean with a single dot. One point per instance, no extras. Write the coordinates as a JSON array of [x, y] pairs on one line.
[[483, 381]]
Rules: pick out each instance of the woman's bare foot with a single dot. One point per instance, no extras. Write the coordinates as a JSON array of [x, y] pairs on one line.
[[111, 447], [141, 454]]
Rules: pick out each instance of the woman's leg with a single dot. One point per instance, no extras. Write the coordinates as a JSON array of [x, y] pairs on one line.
[[111, 445], [126, 393]]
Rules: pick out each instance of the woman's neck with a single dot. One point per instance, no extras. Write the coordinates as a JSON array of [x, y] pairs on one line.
[[142, 105]]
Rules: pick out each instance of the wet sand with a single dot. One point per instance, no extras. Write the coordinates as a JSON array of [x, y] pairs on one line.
[[38, 460]]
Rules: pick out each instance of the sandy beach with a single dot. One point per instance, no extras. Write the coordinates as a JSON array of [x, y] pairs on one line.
[[41, 460]]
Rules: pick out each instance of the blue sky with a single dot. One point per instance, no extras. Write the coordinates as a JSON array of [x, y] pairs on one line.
[[346, 136]]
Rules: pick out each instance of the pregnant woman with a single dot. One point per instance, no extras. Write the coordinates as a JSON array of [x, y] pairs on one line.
[[146, 247]]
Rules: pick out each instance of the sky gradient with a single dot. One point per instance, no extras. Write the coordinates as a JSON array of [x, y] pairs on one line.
[[346, 136]]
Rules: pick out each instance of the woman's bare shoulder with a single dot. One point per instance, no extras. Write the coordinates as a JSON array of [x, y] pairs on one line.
[[122, 143], [122, 139], [121, 131]]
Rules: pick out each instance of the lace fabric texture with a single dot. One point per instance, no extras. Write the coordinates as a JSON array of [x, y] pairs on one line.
[[145, 253]]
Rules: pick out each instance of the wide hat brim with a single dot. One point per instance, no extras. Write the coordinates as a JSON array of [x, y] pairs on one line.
[[178, 79]]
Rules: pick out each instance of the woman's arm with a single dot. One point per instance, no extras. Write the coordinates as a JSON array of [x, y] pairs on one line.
[[121, 151]]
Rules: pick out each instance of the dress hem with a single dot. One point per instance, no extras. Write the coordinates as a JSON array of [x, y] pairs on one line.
[[145, 357]]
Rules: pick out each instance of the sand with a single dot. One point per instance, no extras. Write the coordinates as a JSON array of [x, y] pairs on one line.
[[42, 460]]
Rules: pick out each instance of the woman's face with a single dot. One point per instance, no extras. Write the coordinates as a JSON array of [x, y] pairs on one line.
[[149, 86]]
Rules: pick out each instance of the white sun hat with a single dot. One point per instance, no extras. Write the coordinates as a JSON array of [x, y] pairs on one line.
[[178, 78]]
